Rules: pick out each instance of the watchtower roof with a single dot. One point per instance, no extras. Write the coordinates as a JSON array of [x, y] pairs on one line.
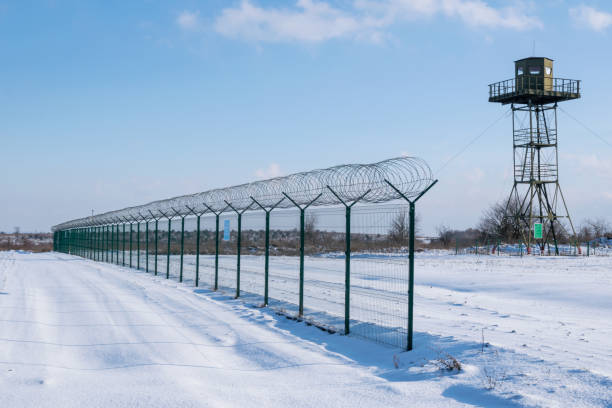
[[533, 58]]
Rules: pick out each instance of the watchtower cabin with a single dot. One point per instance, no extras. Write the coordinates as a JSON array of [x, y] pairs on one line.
[[534, 83]]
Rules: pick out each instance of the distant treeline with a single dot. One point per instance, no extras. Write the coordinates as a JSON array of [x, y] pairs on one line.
[[34, 242]]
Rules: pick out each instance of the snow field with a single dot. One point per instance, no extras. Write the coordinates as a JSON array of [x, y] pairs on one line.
[[76, 332]]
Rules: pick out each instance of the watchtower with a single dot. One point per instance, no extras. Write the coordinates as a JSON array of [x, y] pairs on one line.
[[534, 94]]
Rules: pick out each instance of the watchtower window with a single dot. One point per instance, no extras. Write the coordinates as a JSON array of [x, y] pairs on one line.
[[519, 71], [534, 70], [548, 70]]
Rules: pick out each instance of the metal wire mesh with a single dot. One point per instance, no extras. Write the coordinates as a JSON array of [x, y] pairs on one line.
[[220, 238]]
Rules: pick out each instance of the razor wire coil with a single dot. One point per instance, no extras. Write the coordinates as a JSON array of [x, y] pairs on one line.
[[343, 184]]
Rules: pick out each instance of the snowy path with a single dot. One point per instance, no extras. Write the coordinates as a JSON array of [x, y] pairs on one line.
[[77, 333], [73, 331]]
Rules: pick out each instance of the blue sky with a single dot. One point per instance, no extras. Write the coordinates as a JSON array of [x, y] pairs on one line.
[[107, 104]]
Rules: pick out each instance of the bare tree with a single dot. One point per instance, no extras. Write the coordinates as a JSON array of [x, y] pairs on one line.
[[502, 220], [399, 232], [598, 227], [445, 235], [310, 225], [584, 234]]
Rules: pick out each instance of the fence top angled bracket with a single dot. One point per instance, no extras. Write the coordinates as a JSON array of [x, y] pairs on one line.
[[354, 202], [212, 210], [177, 213], [238, 212], [264, 208], [417, 197], [194, 212], [154, 217], [307, 205], [164, 215]]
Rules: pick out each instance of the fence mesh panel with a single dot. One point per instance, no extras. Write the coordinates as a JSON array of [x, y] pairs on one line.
[[307, 269]]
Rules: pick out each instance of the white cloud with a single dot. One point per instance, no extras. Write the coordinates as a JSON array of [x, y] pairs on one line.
[[272, 171], [313, 21], [474, 13], [590, 17], [591, 164], [310, 21], [188, 20]]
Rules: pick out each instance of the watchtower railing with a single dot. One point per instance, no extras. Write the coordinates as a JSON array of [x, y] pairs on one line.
[[527, 83]]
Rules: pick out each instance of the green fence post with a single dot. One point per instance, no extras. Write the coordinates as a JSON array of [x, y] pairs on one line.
[[411, 258], [238, 250], [131, 245], [138, 245], [238, 245], [411, 276], [267, 260], [155, 237], [156, 233], [168, 254], [197, 277], [347, 271], [96, 243], [107, 242], [111, 242], [197, 268], [267, 246], [302, 234], [347, 257], [103, 243], [123, 245], [301, 296], [217, 213], [217, 252], [117, 243], [588, 248], [147, 246], [111, 231], [182, 246], [93, 243]]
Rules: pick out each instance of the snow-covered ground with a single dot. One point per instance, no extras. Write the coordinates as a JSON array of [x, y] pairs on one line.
[[78, 333]]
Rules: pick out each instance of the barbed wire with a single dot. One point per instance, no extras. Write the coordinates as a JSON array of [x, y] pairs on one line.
[[335, 185]]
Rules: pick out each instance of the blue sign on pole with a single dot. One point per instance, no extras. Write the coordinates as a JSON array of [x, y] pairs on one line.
[[226, 230]]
